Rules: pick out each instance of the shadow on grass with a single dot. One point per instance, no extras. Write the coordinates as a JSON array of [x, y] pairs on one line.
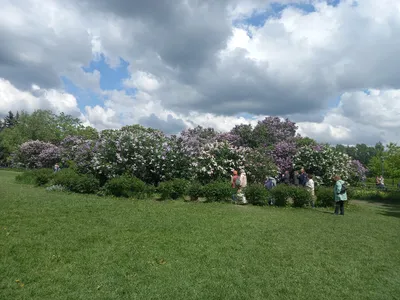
[[386, 207], [390, 210]]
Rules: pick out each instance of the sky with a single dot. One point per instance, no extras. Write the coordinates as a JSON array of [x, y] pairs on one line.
[[330, 66]]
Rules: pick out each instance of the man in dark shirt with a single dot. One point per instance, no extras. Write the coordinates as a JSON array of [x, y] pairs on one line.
[[302, 178]]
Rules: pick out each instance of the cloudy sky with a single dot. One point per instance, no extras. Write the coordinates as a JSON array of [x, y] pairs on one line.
[[331, 66]]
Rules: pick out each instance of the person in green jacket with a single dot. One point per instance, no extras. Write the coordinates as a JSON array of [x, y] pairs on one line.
[[340, 196]]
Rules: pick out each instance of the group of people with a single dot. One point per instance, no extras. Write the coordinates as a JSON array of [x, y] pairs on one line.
[[302, 179]]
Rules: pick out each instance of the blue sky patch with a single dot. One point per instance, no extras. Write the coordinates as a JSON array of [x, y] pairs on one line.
[[274, 11], [85, 97], [111, 79]]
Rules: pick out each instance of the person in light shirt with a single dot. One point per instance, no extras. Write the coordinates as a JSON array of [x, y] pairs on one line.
[[310, 186]]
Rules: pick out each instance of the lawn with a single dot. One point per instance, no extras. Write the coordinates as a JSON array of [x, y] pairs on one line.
[[67, 246]]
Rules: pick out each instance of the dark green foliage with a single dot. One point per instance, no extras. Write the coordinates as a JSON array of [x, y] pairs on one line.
[[298, 196], [126, 186], [37, 177], [218, 191], [78, 183], [195, 191], [257, 194], [375, 195], [27, 177], [325, 196], [280, 195], [173, 189], [43, 176]]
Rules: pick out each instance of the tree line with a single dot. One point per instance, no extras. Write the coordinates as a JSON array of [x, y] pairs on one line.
[[19, 127]]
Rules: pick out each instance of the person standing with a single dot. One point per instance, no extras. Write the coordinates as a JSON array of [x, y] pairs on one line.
[[296, 178], [311, 188], [243, 179], [340, 194], [234, 180], [243, 185], [286, 178], [56, 168], [302, 177]]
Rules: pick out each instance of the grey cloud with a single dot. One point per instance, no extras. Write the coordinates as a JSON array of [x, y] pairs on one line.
[[35, 53], [170, 126]]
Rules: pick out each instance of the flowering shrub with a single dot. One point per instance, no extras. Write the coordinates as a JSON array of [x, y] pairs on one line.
[[217, 161], [37, 154], [77, 152], [272, 130], [358, 171], [193, 140], [258, 165], [147, 155], [323, 161], [283, 154]]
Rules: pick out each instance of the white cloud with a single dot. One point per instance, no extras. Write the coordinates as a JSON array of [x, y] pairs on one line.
[[188, 63], [12, 99], [360, 118], [143, 81]]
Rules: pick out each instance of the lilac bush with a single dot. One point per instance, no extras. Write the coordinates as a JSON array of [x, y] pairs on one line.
[[78, 153], [147, 155], [358, 170], [283, 154], [323, 161], [37, 154], [193, 140], [272, 130]]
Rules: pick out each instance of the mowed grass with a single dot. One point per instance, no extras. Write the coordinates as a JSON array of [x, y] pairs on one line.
[[67, 246]]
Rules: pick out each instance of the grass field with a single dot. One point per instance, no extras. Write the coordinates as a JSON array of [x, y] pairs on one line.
[[66, 246]]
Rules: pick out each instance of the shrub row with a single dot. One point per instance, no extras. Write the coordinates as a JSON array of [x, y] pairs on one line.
[[127, 186]]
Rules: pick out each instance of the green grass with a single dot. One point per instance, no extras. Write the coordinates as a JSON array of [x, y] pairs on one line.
[[67, 246]]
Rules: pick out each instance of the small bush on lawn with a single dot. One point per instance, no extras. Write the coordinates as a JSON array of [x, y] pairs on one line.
[[218, 191], [78, 183], [300, 196], [281, 195], [195, 191], [27, 177], [38, 177], [173, 189], [43, 176], [257, 194], [126, 186], [325, 197]]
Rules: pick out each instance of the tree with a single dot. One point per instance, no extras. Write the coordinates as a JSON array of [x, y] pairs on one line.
[[273, 130], [41, 125], [245, 135], [387, 162]]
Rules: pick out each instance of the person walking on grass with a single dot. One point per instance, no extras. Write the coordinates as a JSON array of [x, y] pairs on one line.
[[340, 194], [311, 188]]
